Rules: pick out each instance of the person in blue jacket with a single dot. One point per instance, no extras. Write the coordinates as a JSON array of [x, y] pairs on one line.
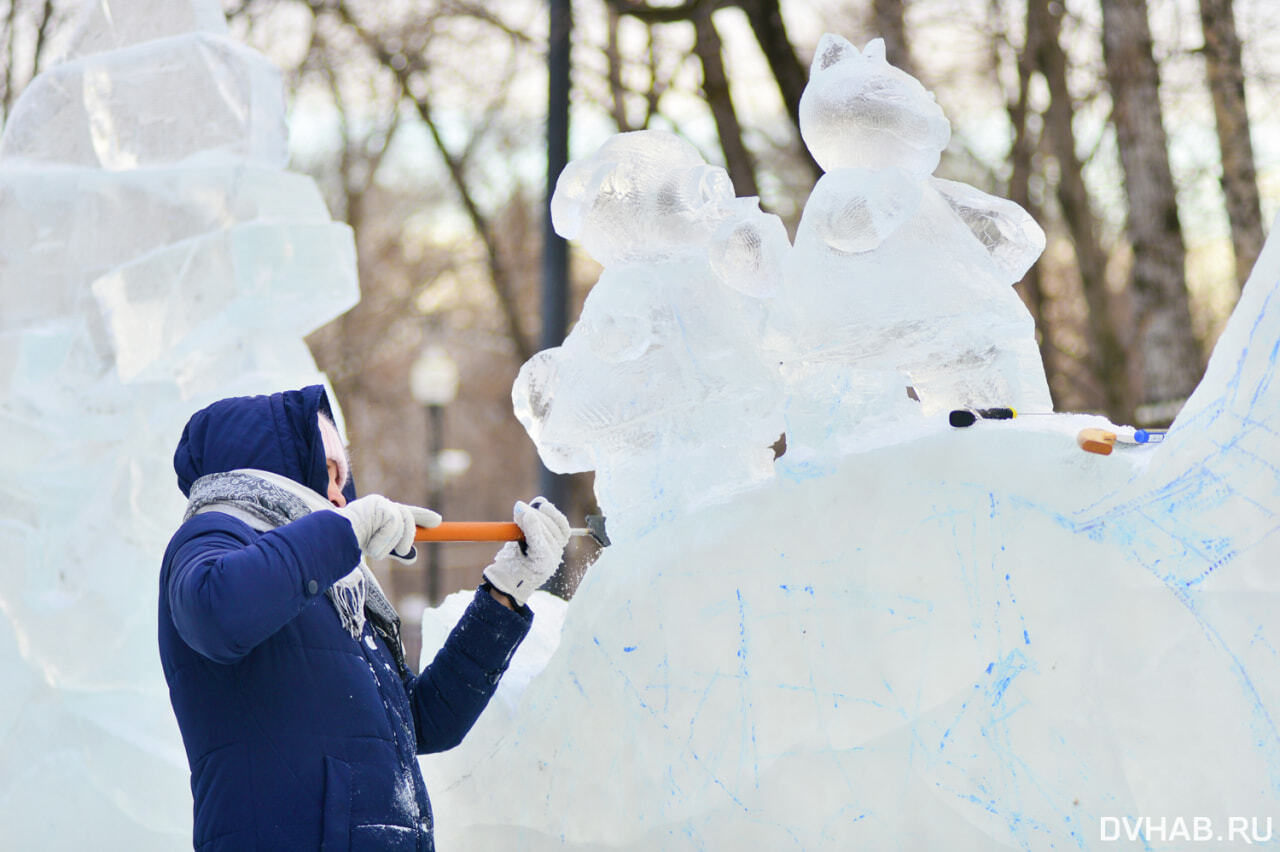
[[300, 717]]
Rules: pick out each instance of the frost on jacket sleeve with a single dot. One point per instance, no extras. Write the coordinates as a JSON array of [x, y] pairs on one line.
[[229, 588], [450, 694]]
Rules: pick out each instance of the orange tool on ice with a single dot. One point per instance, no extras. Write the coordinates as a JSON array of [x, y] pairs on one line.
[[1098, 441], [501, 531]]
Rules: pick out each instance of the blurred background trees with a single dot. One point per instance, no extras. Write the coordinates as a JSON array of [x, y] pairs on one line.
[[1136, 131]]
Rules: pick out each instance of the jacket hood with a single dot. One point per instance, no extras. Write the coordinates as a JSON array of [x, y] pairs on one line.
[[277, 433]]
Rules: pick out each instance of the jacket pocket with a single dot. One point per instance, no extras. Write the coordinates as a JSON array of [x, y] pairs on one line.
[[336, 820]]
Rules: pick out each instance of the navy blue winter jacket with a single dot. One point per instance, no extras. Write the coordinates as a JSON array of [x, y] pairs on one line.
[[298, 736]]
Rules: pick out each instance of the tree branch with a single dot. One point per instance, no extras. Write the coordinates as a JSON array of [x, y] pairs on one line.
[[403, 67], [10, 29], [715, 86], [686, 11], [613, 56]]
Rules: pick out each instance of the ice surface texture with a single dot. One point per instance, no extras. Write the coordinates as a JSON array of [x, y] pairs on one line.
[[153, 257]]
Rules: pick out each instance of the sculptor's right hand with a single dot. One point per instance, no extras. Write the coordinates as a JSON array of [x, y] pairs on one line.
[[385, 528], [521, 567]]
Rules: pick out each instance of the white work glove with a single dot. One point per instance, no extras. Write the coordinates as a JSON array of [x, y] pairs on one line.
[[384, 528], [521, 567]]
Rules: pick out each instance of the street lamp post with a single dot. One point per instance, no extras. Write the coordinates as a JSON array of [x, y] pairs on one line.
[[433, 381]]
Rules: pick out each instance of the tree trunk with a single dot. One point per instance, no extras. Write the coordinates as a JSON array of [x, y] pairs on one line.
[[1020, 159], [715, 86], [1168, 363], [1239, 178], [11, 36], [889, 22], [613, 56], [770, 31], [1107, 360]]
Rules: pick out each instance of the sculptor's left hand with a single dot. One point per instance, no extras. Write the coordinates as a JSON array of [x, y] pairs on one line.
[[521, 567]]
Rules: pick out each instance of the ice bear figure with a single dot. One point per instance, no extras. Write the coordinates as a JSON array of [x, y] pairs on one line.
[[661, 388], [898, 279]]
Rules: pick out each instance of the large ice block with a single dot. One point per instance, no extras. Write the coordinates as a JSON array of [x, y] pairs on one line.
[[111, 24], [111, 218], [153, 258], [239, 282], [194, 97]]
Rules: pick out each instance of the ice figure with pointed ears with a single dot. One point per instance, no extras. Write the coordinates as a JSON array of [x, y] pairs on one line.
[[898, 279], [660, 388]]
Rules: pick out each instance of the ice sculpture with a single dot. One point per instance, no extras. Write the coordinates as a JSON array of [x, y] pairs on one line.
[[961, 639], [972, 639], [898, 279], [153, 257], [658, 387]]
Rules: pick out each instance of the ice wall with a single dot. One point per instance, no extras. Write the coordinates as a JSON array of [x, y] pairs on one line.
[[908, 636], [154, 256]]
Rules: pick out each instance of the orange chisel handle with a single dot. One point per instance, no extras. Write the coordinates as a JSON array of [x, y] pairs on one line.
[[470, 531]]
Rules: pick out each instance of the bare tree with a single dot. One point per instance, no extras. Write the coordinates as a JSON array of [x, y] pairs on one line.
[[889, 21], [1166, 359], [41, 18], [658, 76], [422, 283], [1225, 72], [769, 28], [715, 87], [1108, 360], [405, 66], [1021, 155]]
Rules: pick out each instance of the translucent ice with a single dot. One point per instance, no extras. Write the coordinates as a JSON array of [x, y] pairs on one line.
[[858, 110], [643, 194], [192, 96], [708, 334], [110, 24], [153, 257], [897, 280], [45, 209], [242, 281], [660, 385]]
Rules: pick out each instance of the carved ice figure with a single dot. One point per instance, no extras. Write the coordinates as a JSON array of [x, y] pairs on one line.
[[897, 279], [659, 388]]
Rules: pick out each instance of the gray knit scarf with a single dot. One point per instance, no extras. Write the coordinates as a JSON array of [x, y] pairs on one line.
[[266, 500]]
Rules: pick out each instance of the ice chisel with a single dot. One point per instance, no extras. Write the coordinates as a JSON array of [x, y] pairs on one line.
[[501, 531]]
